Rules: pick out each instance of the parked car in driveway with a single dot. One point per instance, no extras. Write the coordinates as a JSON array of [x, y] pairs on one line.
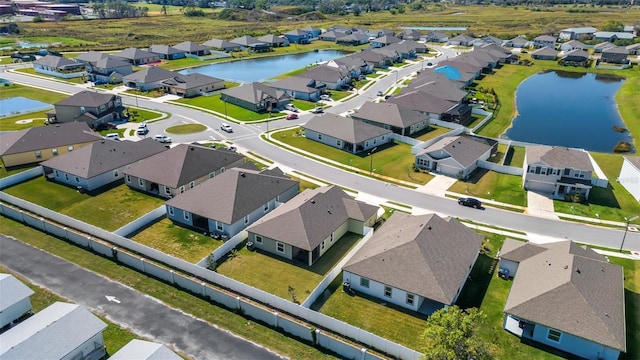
[[292, 116], [318, 110], [291, 107], [325, 97], [379, 93], [470, 202], [226, 127], [112, 136], [162, 138]]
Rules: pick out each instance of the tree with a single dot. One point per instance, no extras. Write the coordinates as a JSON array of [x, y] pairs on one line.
[[613, 25], [451, 334]]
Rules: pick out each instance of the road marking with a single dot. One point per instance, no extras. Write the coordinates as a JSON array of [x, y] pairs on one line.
[[112, 299], [188, 118]]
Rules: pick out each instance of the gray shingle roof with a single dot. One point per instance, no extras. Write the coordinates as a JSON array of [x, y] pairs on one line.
[[255, 92], [164, 49], [103, 156], [634, 160], [616, 50], [545, 38], [421, 101], [462, 38], [447, 90], [559, 157], [193, 80], [299, 84], [390, 114], [144, 350], [310, 217], [109, 62], [149, 75], [134, 54], [56, 61], [220, 44], [190, 46], [325, 73], [518, 251], [247, 40], [41, 334], [91, 56], [576, 53], [273, 39], [425, 255], [545, 51], [231, 195], [465, 150], [87, 98], [188, 163], [344, 128], [12, 291], [46, 137], [573, 290]]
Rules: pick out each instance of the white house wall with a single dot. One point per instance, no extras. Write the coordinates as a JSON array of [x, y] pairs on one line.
[[14, 311], [85, 348], [630, 179], [376, 289], [575, 345]]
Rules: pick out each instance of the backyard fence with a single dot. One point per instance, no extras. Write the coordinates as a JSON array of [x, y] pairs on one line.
[[139, 223], [511, 170], [20, 177], [224, 249], [425, 144]]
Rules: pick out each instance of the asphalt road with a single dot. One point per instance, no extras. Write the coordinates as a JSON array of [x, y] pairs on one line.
[[247, 136], [141, 313]]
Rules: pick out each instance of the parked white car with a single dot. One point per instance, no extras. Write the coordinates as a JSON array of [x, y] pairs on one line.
[[112, 136], [226, 127], [291, 107], [143, 129], [325, 97], [162, 138]]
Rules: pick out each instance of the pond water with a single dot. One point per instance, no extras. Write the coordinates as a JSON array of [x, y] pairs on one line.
[[261, 69], [19, 105], [569, 109]]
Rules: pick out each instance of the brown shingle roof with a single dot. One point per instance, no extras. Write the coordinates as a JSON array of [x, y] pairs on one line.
[[231, 195], [425, 255], [87, 98], [182, 164], [559, 157], [390, 114], [463, 149], [573, 290], [46, 137], [311, 217], [421, 101], [344, 128], [518, 251]]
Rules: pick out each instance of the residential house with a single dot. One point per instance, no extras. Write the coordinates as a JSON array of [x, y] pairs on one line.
[[144, 350], [461, 40], [410, 34], [518, 43], [91, 107], [298, 36], [255, 97], [167, 52], [227, 203], [222, 45], [420, 263], [456, 156], [597, 48], [148, 78], [341, 28], [334, 78], [434, 106], [544, 40], [191, 165], [332, 35], [374, 34], [15, 300], [353, 65], [392, 117], [373, 59], [557, 170], [313, 31], [390, 54], [566, 297], [429, 76], [42, 143], [99, 163], [612, 36], [384, 41], [630, 175], [300, 88], [409, 48], [274, 41], [307, 226], [634, 49], [105, 68], [615, 55], [60, 331], [436, 36], [545, 53], [137, 57], [59, 66], [354, 39], [492, 40], [252, 44], [191, 48], [575, 58], [504, 55], [572, 45], [577, 33], [345, 133], [193, 84]]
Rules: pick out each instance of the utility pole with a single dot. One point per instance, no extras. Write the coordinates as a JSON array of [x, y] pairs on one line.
[[626, 228], [371, 160]]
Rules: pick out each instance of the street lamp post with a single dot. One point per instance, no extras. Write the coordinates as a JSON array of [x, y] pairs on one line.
[[626, 228], [371, 160]]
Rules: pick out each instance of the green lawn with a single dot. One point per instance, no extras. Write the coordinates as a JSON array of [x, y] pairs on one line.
[[393, 160], [515, 156], [109, 209], [166, 293], [177, 241], [14, 169], [31, 71], [214, 103], [45, 96], [494, 186], [115, 337], [12, 123], [431, 132], [613, 203], [186, 129], [632, 305], [277, 274]]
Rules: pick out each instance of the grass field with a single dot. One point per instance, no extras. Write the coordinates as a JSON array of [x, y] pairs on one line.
[[494, 186], [186, 129], [225, 109]]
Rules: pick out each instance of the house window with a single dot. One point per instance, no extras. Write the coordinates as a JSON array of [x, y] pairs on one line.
[[102, 108], [538, 169], [66, 177], [82, 109], [246, 219], [387, 291], [382, 138], [543, 171], [366, 144], [170, 209], [319, 136], [187, 215], [554, 335], [566, 172], [265, 207], [331, 240], [364, 282], [127, 178], [70, 148], [167, 190], [212, 174], [77, 179], [54, 151], [140, 181], [410, 299], [258, 239], [322, 245], [221, 170], [116, 173], [219, 226], [279, 247], [56, 173], [38, 154], [192, 184], [374, 141], [181, 189]]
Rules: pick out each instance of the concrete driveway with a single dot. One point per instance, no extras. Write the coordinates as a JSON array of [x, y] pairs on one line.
[[437, 186], [540, 205]]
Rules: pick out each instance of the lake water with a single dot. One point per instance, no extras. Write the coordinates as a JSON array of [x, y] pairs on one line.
[[261, 69], [569, 109], [18, 105]]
